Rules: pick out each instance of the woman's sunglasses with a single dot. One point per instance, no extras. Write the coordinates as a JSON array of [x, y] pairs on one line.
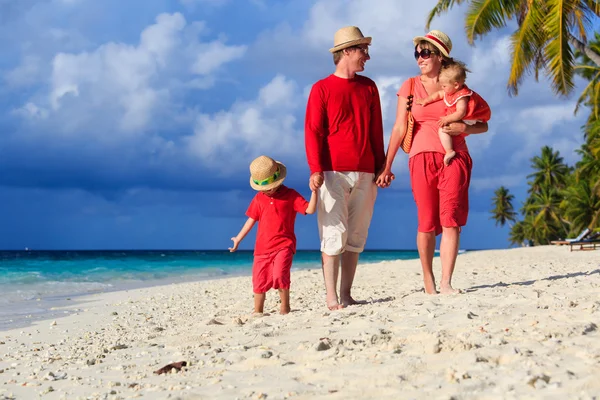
[[424, 54]]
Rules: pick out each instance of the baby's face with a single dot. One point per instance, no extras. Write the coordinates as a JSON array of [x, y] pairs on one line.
[[448, 86]]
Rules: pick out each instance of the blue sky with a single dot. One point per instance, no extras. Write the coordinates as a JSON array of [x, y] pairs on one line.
[[132, 124]]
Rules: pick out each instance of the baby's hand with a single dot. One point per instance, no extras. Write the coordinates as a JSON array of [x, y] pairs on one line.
[[443, 121], [421, 102]]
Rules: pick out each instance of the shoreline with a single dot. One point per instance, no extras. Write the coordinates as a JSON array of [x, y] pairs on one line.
[[526, 327]]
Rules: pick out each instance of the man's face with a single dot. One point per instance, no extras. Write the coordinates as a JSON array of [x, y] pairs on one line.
[[359, 55]]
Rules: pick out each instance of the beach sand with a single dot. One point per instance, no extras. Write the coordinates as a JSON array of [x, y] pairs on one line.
[[527, 327]]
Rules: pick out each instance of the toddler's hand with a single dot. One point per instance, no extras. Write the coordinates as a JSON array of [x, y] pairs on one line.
[[236, 243], [421, 102], [443, 121]]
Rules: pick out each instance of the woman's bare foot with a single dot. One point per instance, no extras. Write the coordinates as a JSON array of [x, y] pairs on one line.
[[449, 290], [449, 156]]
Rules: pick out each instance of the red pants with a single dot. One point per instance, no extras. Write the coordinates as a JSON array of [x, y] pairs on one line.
[[272, 270], [441, 193]]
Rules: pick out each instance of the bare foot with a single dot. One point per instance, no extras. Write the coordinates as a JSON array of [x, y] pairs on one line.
[[450, 290], [349, 301], [449, 156], [334, 306], [284, 310]]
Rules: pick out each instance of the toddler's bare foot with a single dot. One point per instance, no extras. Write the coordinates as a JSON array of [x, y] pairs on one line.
[[349, 301], [334, 306], [284, 310], [449, 156]]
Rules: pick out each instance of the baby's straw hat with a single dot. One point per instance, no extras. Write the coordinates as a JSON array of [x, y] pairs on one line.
[[266, 173]]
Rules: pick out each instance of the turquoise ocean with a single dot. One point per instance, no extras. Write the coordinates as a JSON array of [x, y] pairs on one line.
[[35, 284]]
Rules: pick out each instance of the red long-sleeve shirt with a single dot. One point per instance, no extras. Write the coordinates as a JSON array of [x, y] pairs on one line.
[[343, 128]]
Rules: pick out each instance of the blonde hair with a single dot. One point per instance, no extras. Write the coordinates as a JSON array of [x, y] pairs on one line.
[[454, 71]]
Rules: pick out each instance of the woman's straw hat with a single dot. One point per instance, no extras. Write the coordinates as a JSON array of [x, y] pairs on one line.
[[347, 37], [439, 39], [266, 173]]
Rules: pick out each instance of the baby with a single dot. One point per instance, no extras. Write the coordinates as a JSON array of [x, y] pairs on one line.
[[462, 104], [274, 207]]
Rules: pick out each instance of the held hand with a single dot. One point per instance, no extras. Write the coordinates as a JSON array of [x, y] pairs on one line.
[[236, 243], [316, 181], [384, 178], [455, 128]]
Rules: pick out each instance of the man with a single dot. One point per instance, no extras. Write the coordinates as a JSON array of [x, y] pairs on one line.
[[344, 148]]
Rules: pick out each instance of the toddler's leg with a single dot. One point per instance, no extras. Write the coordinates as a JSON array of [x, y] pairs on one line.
[[284, 295], [282, 264], [259, 302], [447, 144]]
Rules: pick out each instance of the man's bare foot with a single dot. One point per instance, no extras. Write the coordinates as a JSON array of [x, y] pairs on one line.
[[349, 301], [449, 156]]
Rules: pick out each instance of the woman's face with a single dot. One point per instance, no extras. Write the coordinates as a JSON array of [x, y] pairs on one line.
[[429, 65]]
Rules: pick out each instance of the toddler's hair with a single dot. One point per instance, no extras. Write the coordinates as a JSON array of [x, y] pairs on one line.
[[455, 71]]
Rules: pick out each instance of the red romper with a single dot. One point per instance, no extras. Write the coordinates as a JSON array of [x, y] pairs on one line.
[[275, 240], [477, 108]]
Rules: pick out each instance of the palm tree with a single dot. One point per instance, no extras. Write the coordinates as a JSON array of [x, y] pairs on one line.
[[549, 170], [581, 206], [548, 33], [545, 210], [503, 211], [591, 72]]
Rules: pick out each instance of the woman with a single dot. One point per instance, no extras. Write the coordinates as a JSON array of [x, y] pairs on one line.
[[441, 193]]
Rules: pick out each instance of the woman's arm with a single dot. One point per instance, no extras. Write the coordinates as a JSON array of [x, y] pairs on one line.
[[385, 177], [457, 128]]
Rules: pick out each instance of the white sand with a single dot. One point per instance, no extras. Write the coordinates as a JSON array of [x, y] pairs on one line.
[[526, 328]]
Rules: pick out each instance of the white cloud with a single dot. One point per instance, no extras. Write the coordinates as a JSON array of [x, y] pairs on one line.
[[265, 125], [119, 87], [25, 74]]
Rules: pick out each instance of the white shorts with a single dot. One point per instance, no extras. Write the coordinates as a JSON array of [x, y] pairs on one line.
[[344, 213]]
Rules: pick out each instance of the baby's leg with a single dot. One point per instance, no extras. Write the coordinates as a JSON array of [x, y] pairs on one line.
[[447, 144], [259, 302], [284, 295]]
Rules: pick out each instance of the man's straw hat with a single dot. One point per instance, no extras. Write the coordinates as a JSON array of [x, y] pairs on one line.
[[347, 37], [266, 173], [437, 38]]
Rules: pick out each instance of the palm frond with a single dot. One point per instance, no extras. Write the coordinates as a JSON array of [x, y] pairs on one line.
[[526, 43], [558, 52], [485, 15], [440, 8]]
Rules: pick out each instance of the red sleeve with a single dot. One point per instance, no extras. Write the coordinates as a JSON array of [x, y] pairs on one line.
[[404, 90], [377, 130], [253, 210], [300, 203], [314, 128]]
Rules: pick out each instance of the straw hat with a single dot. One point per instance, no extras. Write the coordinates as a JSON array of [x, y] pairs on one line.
[[347, 37], [437, 38], [266, 173]]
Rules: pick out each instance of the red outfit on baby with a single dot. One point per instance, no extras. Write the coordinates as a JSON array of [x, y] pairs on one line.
[[478, 109]]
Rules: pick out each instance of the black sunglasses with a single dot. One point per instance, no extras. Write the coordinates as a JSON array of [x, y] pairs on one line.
[[424, 54]]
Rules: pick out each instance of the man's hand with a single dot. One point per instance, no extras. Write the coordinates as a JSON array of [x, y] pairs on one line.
[[236, 243], [384, 178], [316, 181], [455, 128]]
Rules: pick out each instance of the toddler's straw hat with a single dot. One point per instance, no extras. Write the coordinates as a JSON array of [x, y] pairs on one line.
[[266, 173]]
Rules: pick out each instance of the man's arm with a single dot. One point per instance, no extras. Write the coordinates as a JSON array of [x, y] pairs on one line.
[[377, 131]]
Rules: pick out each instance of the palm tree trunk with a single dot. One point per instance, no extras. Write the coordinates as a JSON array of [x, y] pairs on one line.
[[592, 55]]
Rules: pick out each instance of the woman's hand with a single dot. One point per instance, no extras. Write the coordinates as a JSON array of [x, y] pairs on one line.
[[454, 128], [384, 178]]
